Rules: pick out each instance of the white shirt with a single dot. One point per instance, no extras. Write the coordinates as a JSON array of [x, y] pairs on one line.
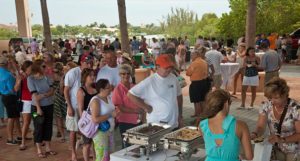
[[200, 41], [106, 108], [72, 80], [215, 57], [160, 93], [155, 51], [20, 57], [111, 74]]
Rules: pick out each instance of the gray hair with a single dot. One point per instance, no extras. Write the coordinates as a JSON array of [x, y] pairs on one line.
[[125, 68]]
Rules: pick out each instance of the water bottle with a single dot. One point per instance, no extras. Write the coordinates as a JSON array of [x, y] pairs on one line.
[[35, 114]]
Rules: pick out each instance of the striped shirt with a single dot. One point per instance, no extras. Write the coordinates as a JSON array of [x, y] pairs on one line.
[[215, 58]]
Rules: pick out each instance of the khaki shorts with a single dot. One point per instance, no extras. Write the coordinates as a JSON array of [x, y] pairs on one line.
[[279, 155], [72, 122], [217, 81]]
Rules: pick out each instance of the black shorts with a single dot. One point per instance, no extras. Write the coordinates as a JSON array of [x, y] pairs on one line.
[[87, 140], [11, 104], [198, 90]]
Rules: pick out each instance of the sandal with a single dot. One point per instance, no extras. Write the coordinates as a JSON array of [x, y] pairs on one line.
[[62, 140], [41, 155], [51, 152], [22, 147]]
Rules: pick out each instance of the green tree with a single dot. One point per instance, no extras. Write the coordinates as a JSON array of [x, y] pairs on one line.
[[271, 16], [6, 34], [207, 26], [179, 18], [37, 30], [102, 25]]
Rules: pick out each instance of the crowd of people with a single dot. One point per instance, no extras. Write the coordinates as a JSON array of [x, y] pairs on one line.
[[50, 86]]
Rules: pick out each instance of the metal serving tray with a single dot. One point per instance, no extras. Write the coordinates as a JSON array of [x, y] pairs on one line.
[[173, 135]]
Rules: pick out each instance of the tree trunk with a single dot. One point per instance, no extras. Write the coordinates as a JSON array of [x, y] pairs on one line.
[[46, 25], [251, 24], [123, 26]]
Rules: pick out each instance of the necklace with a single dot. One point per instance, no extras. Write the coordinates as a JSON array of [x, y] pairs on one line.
[[278, 110]]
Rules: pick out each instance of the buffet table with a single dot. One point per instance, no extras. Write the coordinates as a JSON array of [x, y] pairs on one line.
[[161, 155]]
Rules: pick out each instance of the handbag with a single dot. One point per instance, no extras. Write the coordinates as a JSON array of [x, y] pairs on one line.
[[262, 151], [86, 126]]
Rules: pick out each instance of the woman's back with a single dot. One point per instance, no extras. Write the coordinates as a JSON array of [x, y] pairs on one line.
[[229, 149]]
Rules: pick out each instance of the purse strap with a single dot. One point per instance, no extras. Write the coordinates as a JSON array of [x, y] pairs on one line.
[[95, 97], [283, 116]]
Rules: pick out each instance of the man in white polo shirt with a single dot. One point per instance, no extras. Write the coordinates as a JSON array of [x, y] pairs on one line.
[[72, 84], [216, 58], [160, 94], [111, 70]]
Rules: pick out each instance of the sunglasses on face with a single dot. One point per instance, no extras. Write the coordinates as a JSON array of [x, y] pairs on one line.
[[125, 73]]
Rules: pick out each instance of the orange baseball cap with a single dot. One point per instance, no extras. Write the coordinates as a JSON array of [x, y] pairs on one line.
[[164, 61]]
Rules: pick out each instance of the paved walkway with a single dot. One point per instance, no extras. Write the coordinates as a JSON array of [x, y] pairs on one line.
[[11, 153]]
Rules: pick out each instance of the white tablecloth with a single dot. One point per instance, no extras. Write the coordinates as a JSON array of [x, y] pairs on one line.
[[260, 54], [228, 70], [161, 155]]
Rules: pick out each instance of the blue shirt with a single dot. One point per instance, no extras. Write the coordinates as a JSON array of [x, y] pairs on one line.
[[135, 45], [230, 148], [7, 82], [40, 86]]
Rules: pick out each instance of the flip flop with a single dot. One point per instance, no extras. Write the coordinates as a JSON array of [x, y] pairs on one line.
[[62, 140], [51, 152], [22, 147], [41, 155]]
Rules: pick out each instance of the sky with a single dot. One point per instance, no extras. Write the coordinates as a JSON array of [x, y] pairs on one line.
[[83, 12]]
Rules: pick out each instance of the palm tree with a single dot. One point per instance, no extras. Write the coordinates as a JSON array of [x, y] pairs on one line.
[[251, 23], [123, 26], [46, 25]]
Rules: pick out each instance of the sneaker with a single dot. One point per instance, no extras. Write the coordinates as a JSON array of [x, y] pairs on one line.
[[250, 108], [11, 142], [241, 108]]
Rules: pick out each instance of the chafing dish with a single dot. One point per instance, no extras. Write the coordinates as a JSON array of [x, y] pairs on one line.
[[186, 140], [147, 135]]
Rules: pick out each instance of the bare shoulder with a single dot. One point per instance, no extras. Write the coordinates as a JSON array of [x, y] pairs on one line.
[[241, 127]]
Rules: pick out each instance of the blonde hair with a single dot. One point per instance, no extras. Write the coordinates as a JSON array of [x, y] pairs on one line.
[[276, 86]]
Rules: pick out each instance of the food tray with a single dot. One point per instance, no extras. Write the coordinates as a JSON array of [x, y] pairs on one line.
[[174, 135], [137, 129]]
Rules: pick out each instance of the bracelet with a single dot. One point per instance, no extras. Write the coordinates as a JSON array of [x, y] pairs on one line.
[[255, 133]]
